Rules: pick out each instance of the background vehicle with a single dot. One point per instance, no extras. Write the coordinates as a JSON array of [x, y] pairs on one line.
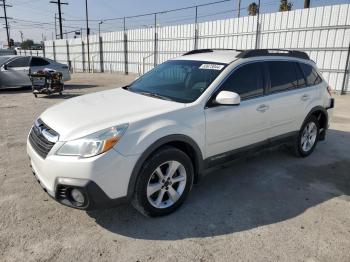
[[14, 70], [150, 141]]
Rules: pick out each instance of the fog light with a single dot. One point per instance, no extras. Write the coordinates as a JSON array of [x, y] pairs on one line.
[[78, 197]]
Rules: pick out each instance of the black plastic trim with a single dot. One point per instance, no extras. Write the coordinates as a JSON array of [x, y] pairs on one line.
[[95, 197], [331, 105], [163, 141], [243, 151]]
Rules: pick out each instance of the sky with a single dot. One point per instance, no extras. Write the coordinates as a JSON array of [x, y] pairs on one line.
[[35, 18]]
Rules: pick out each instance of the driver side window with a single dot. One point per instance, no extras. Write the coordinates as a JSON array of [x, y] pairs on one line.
[[19, 62], [245, 81]]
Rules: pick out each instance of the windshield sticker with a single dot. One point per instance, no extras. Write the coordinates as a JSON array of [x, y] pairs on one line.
[[211, 66]]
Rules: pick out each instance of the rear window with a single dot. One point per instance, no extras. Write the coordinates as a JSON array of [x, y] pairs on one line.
[[37, 61], [312, 77], [284, 75]]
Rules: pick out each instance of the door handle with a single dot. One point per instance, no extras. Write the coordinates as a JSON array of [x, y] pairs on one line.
[[262, 108], [305, 97]]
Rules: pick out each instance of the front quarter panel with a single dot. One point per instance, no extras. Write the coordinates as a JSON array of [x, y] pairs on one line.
[[187, 121]]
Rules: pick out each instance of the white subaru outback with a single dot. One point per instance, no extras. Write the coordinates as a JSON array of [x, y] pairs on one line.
[[148, 142]]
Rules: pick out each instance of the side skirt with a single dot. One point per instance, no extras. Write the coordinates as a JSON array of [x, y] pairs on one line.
[[243, 151]]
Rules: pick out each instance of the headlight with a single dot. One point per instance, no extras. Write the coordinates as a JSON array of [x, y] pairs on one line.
[[93, 144]]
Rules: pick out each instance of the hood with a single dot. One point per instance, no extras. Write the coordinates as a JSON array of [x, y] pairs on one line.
[[83, 115]]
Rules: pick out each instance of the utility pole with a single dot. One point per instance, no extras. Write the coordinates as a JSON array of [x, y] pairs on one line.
[[6, 23], [55, 26], [306, 3], [21, 35], [257, 28], [87, 33], [239, 9], [99, 28], [58, 2]]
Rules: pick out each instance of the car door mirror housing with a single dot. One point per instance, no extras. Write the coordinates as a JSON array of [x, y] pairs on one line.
[[228, 98], [5, 67]]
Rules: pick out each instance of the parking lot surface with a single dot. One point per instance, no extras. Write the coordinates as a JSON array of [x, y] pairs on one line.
[[270, 206]]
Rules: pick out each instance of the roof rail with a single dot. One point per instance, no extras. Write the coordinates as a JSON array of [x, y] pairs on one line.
[[198, 51], [210, 50], [273, 52]]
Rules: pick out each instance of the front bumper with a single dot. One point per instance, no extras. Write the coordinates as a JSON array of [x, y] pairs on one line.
[[102, 179]]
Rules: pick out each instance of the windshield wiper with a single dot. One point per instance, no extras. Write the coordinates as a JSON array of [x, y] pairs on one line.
[[155, 95]]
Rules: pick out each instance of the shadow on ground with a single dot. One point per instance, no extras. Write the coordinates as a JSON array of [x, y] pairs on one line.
[[78, 86], [263, 189], [26, 89], [14, 90]]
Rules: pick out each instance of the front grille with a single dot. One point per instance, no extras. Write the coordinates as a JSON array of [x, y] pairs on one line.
[[40, 144]]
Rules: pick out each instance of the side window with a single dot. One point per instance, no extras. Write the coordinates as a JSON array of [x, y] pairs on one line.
[[284, 76], [19, 62], [312, 77], [300, 76], [37, 61], [245, 81]]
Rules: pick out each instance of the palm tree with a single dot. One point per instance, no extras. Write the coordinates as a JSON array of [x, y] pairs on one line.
[[306, 3], [253, 9], [285, 6]]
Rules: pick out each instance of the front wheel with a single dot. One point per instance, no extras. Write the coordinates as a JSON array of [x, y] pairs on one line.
[[164, 182], [307, 137]]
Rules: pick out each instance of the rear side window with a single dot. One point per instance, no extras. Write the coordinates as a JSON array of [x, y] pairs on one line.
[[37, 61], [19, 62], [245, 81], [312, 77], [284, 75]]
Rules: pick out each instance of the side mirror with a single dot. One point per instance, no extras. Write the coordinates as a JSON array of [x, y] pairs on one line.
[[228, 98], [5, 67]]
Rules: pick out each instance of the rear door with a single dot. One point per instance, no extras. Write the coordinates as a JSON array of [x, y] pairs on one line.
[[16, 73], [38, 63], [232, 127], [287, 91]]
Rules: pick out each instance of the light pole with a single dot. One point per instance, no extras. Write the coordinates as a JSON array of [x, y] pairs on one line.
[[87, 33], [99, 28]]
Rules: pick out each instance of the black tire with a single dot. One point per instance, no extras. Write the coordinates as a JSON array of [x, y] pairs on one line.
[[140, 200], [298, 148]]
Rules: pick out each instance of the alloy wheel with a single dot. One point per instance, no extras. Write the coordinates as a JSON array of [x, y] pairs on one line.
[[166, 184], [308, 137]]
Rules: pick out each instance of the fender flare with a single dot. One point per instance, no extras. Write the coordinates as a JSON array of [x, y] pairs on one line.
[[313, 110], [157, 144]]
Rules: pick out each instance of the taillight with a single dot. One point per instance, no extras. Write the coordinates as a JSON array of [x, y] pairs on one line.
[[329, 89]]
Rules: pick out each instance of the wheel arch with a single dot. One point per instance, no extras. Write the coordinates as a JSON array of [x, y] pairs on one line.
[[182, 142], [321, 114]]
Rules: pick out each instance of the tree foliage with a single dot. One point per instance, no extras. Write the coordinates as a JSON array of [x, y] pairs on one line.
[[253, 9], [285, 5], [27, 44]]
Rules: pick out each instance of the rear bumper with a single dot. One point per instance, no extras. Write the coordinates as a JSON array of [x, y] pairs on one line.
[[330, 109]]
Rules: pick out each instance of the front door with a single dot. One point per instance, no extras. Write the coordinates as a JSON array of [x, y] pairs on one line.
[[232, 127], [15, 73]]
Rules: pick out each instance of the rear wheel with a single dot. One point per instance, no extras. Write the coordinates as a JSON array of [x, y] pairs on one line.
[[163, 183], [307, 137]]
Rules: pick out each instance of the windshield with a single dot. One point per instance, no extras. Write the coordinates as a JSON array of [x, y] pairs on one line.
[[178, 80]]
